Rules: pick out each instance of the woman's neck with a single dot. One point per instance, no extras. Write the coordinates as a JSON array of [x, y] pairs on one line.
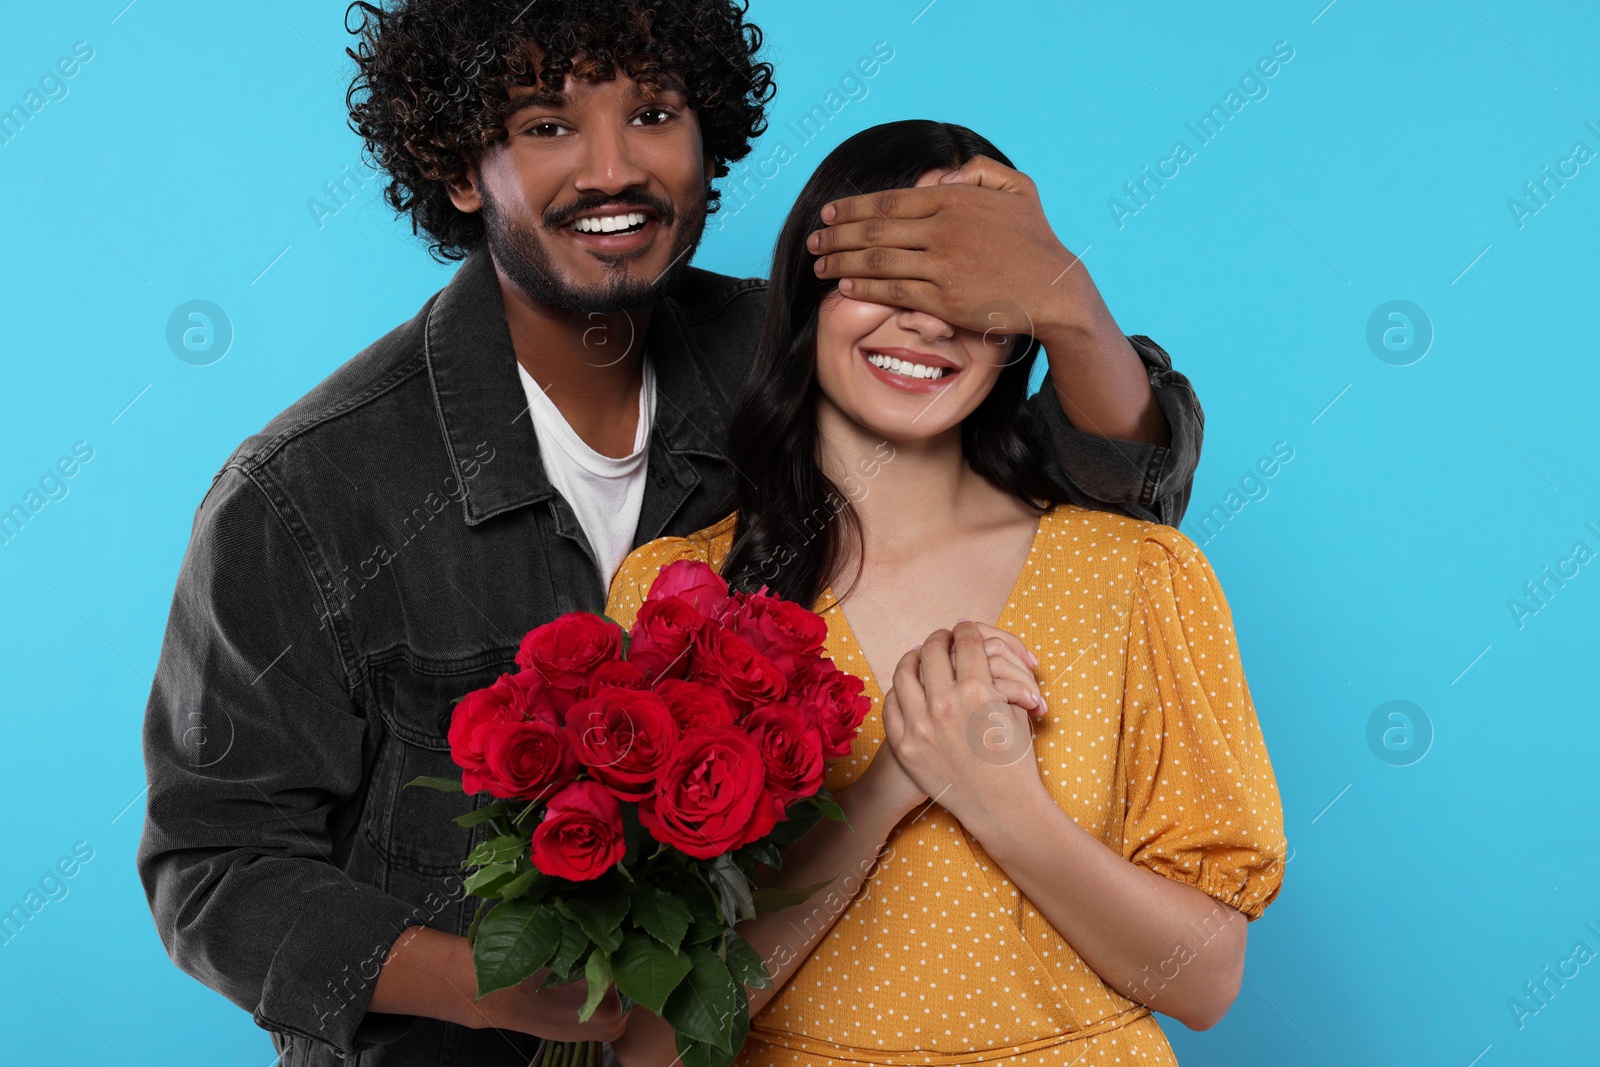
[[903, 492]]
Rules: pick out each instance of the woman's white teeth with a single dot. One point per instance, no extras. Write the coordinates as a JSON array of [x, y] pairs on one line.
[[900, 366], [609, 223]]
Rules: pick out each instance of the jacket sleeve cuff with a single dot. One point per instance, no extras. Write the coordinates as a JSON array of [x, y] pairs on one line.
[[1151, 482], [322, 976]]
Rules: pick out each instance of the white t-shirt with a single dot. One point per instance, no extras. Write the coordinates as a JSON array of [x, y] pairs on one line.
[[604, 492]]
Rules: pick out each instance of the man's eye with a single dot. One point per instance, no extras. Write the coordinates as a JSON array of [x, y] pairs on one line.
[[545, 129], [654, 116]]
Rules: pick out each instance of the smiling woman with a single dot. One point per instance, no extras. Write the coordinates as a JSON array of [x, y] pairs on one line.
[[1077, 824]]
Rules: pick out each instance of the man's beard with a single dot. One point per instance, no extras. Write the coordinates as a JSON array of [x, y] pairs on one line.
[[520, 252]]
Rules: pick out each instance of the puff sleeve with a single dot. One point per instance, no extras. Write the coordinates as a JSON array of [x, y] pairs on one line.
[[1202, 803]]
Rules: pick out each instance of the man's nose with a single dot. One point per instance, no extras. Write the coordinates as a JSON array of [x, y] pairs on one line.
[[607, 162]]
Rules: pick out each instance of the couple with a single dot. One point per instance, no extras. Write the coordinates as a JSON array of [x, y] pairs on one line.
[[1062, 813]]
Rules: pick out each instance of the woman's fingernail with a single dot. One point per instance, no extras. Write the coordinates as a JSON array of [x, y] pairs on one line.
[[1033, 661]]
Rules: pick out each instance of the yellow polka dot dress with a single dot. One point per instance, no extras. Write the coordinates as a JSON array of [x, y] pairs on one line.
[[1151, 744]]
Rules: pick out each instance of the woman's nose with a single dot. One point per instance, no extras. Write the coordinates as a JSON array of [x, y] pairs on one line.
[[925, 325]]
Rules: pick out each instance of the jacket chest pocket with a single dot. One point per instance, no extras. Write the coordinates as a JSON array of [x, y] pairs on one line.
[[413, 827]]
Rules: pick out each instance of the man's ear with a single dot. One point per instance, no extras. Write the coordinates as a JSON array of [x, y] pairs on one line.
[[464, 191], [710, 168]]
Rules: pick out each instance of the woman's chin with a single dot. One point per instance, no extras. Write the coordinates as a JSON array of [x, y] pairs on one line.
[[906, 428]]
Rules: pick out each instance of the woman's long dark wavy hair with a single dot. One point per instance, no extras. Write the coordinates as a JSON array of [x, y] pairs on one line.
[[795, 526]]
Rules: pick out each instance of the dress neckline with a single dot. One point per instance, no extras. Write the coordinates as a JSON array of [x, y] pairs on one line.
[[844, 635]]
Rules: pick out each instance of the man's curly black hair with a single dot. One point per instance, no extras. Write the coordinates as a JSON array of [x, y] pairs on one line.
[[429, 95]]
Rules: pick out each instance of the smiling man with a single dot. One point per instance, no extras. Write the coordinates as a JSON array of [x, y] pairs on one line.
[[378, 549]]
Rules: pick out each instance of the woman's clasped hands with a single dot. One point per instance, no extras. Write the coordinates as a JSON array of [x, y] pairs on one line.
[[958, 723]]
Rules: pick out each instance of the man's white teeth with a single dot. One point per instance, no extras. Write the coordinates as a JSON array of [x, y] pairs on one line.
[[900, 366], [609, 223]]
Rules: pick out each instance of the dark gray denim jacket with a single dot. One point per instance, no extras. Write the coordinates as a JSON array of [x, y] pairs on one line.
[[377, 551]]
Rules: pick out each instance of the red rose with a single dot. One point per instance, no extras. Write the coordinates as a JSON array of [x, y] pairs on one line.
[[565, 651], [510, 698], [783, 631], [623, 736], [694, 704], [838, 702], [662, 634], [580, 836], [618, 674], [710, 792], [699, 585], [770, 810], [726, 660], [790, 747], [526, 760]]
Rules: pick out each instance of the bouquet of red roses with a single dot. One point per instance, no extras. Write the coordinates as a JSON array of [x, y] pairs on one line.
[[636, 779]]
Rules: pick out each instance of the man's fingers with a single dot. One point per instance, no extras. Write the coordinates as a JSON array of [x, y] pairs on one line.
[[878, 263], [897, 292], [987, 173], [869, 233], [913, 203]]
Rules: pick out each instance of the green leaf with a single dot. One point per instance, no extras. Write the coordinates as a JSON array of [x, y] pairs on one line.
[[635, 837], [443, 785], [829, 808], [484, 814], [745, 964], [733, 889], [497, 850], [771, 898], [798, 821], [662, 915], [598, 971], [514, 940], [764, 852], [704, 930], [477, 917], [486, 880], [600, 910], [519, 885], [647, 971], [573, 943], [693, 1053], [705, 1003]]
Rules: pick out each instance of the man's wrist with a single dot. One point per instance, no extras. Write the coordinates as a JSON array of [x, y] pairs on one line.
[[1074, 320]]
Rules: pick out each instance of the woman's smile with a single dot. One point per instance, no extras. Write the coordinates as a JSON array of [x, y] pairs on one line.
[[908, 370]]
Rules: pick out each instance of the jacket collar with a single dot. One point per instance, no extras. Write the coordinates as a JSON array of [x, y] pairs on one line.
[[479, 399]]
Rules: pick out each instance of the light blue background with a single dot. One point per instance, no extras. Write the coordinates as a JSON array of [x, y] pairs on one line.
[[1379, 565]]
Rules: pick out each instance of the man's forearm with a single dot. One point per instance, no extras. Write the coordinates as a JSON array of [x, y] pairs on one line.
[[429, 973], [1103, 385]]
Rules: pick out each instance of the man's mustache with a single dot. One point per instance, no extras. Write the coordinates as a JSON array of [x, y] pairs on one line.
[[556, 218]]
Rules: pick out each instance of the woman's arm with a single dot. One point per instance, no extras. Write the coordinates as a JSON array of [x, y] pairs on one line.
[[1160, 942], [844, 852], [1157, 941]]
